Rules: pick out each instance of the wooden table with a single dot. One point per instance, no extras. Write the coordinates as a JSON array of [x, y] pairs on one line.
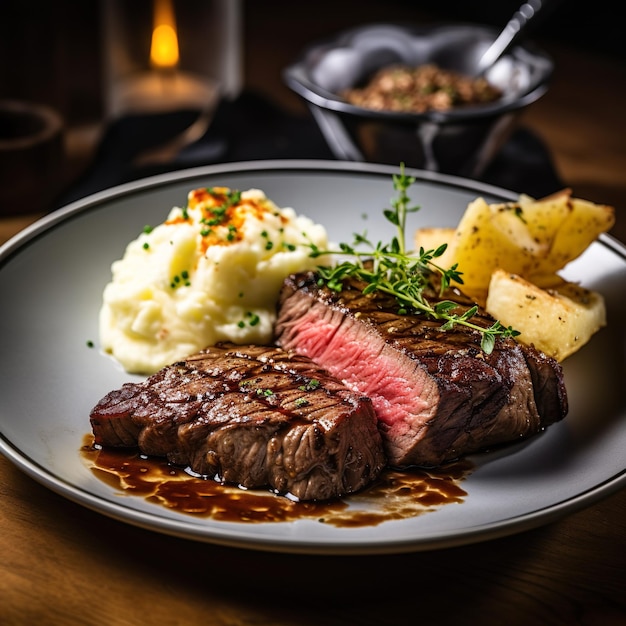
[[65, 565]]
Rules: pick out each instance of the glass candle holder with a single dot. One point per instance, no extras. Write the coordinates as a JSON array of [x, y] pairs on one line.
[[170, 55]]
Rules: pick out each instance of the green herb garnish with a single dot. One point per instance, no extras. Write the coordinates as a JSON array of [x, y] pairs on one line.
[[390, 269], [311, 385]]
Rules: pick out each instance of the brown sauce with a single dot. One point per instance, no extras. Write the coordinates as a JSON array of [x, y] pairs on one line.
[[395, 495]]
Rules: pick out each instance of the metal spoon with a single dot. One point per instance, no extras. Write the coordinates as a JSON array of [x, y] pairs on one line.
[[509, 34]]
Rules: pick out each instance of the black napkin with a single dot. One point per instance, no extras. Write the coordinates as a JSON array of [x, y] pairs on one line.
[[253, 128]]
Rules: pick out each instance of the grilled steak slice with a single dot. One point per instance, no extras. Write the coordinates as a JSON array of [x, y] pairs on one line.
[[254, 416], [437, 395]]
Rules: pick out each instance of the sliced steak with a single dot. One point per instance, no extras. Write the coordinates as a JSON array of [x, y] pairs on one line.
[[254, 416], [437, 395]]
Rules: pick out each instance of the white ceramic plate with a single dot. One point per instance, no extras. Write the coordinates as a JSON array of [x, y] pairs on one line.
[[51, 280]]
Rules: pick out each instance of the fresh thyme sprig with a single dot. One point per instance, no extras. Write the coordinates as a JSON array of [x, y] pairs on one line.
[[390, 269]]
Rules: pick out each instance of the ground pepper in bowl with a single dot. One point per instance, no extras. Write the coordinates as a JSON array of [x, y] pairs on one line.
[[420, 89]]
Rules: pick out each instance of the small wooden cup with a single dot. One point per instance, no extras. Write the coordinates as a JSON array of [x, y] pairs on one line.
[[32, 157]]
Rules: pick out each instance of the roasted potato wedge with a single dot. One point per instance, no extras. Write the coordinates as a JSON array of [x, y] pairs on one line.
[[558, 320], [432, 238], [564, 227], [509, 255], [528, 237]]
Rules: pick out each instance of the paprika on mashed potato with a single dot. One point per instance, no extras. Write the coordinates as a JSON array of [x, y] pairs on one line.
[[211, 272]]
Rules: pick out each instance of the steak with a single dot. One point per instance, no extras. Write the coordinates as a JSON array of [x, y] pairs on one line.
[[255, 416], [437, 395]]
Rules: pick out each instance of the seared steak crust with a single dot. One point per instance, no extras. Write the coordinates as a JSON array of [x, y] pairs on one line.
[[437, 395], [250, 415]]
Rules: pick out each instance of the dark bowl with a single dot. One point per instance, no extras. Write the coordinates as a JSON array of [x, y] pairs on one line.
[[458, 141]]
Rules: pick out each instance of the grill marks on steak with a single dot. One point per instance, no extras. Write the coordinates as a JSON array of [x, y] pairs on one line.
[[436, 394], [252, 416]]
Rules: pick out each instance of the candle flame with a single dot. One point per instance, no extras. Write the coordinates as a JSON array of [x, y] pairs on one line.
[[164, 46]]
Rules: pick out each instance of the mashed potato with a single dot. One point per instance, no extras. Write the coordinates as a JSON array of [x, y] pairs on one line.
[[211, 272]]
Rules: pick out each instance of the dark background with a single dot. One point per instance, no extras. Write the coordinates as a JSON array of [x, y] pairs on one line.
[[52, 54], [51, 51]]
